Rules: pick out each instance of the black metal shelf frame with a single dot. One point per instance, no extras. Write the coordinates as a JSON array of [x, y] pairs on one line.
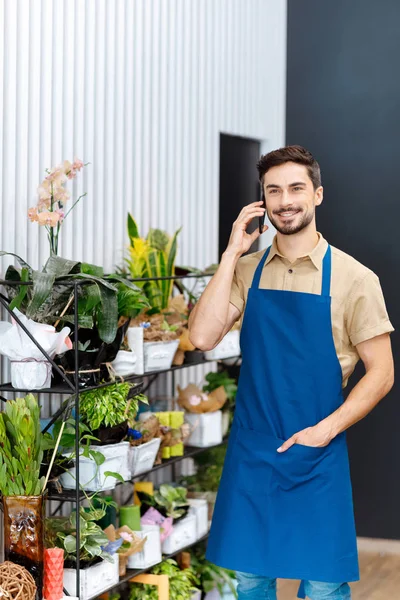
[[74, 391]]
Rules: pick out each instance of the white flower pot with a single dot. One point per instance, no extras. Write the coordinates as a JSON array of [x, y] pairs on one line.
[[94, 580], [141, 458], [225, 422], [159, 355], [228, 347], [135, 343], [151, 553], [124, 363], [31, 374], [92, 477], [207, 429], [199, 508], [183, 534]]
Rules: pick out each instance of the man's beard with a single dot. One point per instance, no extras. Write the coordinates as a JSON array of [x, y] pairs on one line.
[[292, 228]]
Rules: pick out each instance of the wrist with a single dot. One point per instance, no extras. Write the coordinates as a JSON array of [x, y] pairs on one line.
[[231, 254]]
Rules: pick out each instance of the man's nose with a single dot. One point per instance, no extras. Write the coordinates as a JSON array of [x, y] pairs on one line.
[[285, 198]]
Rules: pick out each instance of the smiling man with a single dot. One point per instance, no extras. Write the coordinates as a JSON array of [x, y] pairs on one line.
[[309, 312]]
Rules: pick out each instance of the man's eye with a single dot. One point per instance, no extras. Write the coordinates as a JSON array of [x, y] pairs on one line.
[[273, 191], [297, 188]]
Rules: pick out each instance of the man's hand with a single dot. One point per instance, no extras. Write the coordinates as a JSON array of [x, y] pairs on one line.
[[317, 437], [240, 241]]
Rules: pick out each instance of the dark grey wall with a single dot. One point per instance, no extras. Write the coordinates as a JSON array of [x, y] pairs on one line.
[[343, 104]]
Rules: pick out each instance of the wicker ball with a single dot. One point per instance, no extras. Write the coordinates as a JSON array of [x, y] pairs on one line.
[[16, 582]]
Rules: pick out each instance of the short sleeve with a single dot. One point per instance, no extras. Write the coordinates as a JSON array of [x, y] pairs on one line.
[[366, 314], [236, 296]]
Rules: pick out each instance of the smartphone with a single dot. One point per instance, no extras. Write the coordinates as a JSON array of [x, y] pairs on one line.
[[262, 219]]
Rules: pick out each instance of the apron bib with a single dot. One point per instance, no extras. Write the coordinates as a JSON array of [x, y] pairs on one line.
[[286, 515]]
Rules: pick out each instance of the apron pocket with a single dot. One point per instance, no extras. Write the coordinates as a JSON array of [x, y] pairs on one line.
[[302, 464], [252, 460]]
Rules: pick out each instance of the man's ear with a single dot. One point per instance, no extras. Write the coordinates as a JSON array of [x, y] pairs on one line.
[[319, 195]]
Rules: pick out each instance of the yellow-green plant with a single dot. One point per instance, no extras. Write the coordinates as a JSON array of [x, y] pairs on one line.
[[153, 256], [21, 448]]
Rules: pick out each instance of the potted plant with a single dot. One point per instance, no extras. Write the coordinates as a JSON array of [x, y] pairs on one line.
[[145, 439], [21, 487], [107, 412], [214, 381], [98, 569], [204, 483], [203, 414], [182, 583], [160, 340], [129, 359], [171, 502], [216, 582]]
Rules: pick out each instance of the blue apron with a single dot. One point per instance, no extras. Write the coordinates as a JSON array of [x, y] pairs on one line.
[[286, 515]]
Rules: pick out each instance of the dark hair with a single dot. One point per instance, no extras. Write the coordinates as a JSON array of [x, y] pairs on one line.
[[296, 154]]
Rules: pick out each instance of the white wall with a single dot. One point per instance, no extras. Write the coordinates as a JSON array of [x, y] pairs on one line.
[[141, 89]]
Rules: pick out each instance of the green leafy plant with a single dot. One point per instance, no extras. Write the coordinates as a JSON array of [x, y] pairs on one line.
[[182, 583], [50, 297], [21, 448], [61, 533], [168, 499], [152, 257], [131, 302], [209, 466], [110, 406], [215, 380], [211, 576]]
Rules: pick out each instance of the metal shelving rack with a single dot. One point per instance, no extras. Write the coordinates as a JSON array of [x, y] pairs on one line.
[[67, 387]]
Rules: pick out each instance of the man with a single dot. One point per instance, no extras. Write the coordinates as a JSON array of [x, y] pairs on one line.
[[284, 506]]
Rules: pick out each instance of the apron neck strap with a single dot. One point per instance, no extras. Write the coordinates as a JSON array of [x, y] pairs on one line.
[[258, 271], [326, 271]]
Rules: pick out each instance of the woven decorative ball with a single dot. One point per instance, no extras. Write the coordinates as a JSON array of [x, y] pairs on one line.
[[16, 582]]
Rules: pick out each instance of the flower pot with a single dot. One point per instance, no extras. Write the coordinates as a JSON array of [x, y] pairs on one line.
[[151, 553], [92, 477], [159, 355], [183, 534], [142, 458], [228, 347], [124, 363], [207, 429], [94, 580], [225, 422], [23, 534], [31, 374], [210, 498], [196, 595], [199, 508], [135, 343]]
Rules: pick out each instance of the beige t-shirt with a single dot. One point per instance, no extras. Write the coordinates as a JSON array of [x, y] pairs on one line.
[[358, 308]]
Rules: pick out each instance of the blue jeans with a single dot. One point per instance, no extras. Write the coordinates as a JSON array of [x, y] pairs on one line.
[[257, 587]]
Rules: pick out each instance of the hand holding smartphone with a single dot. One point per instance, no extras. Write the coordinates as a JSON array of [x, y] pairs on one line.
[[262, 219]]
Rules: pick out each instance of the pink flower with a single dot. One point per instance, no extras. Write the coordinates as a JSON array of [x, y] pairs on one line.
[[127, 537], [57, 174], [194, 400], [60, 194], [48, 218], [61, 213], [77, 164], [33, 214]]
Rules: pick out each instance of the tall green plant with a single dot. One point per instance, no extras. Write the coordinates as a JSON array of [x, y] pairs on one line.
[[21, 448], [153, 257]]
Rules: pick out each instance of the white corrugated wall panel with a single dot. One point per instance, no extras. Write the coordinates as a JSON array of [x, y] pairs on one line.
[[140, 89]]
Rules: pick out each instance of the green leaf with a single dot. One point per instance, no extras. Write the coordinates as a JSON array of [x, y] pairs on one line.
[[42, 284], [23, 291], [60, 267], [133, 230], [70, 544], [117, 476]]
